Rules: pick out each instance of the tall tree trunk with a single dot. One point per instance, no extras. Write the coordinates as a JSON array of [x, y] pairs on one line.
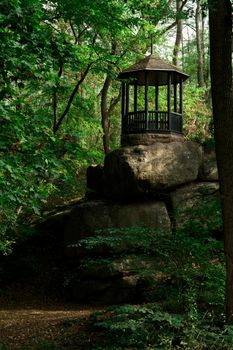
[[105, 115], [220, 22], [200, 75], [106, 111], [179, 34], [204, 51]]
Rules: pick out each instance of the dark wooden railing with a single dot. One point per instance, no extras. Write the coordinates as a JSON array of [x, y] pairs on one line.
[[157, 121], [176, 122]]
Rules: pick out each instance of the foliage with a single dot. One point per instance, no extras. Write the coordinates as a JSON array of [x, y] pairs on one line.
[[197, 114], [182, 275], [192, 263], [53, 61], [149, 327]]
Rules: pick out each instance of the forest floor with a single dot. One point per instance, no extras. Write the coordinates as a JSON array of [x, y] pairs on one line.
[[30, 320], [33, 307]]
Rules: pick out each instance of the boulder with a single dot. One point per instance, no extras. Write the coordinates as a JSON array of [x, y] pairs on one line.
[[208, 170], [149, 138], [109, 292], [89, 216], [123, 281], [188, 198], [95, 177], [131, 172]]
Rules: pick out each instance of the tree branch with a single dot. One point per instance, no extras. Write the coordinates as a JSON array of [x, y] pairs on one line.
[[114, 102], [56, 128], [55, 101], [70, 101], [172, 25], [73, 31]]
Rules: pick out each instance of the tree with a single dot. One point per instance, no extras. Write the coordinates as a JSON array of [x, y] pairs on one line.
[[220, 24], [199, 41], [55, 58], [107, 111], [179, 33]]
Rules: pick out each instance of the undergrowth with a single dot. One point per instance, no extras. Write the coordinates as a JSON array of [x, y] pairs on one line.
[[182, 275], [181, 279]]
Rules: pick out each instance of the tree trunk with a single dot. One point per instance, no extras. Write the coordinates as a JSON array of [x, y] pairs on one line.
[[200, 75], [179, 34], [104, 114], [220, 22]]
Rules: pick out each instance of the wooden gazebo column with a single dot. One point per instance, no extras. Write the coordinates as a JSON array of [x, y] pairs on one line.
[[181, 96], [156, 106], [123, 107], [169, 100], [127, 100], [181, 102], [175, 97], [146, 100], [156, 98], [135, 97]]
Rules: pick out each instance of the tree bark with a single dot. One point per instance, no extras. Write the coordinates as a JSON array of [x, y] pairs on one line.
[[106, 112], [200, 54], [220, 22], [179, 34], [71, 98]]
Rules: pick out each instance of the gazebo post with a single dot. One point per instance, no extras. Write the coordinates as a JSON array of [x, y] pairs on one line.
[[181, 102], [123, 106], [175, 97], [156, 106], [135, 97], [181, 96], [169, 100], [146, 100], [156, 98], [127, 100]]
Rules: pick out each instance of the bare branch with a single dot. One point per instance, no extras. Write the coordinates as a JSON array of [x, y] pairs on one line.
[[172, 25], [73, 31], [56, 128], [55, 100], [114, 102], [52, 26]]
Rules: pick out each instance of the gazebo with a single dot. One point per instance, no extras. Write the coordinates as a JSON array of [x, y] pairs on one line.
[[149, 117]]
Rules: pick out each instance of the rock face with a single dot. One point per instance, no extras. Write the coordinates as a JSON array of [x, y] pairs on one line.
[[114, 284], [149, 139], [208, 170], [187, 198], [87, 217], [189, 195], [133, 171], [134, 188]]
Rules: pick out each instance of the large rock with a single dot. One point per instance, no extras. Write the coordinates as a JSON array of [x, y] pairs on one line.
[[149, 139], [187, 199], [208, 170], [133, 171], [87, 217], [123, 281]]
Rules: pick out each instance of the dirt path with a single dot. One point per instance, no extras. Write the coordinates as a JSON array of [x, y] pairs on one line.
[[21, 327], [27, 321]]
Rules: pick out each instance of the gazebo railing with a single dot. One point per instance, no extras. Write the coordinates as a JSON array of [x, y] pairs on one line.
[[157, 121], [176, 122]]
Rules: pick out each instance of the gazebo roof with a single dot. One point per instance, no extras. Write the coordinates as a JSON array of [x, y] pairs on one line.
[[158, 69]]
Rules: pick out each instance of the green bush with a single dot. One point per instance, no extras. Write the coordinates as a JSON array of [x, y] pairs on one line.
[[186, 274]]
